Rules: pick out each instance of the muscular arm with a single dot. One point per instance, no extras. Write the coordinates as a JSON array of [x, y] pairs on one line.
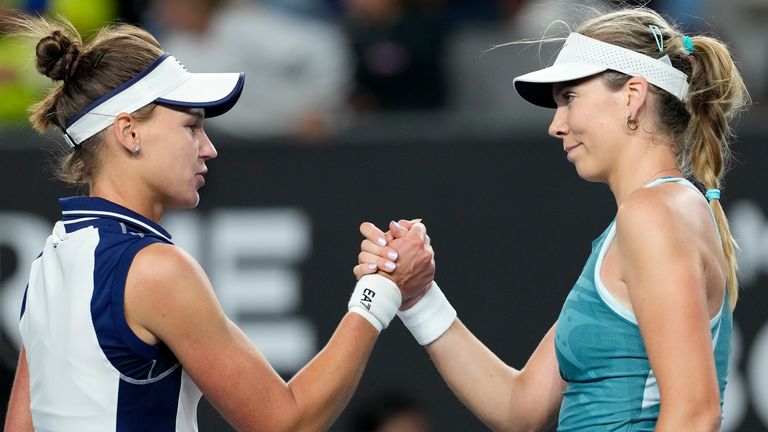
[[19, 418], [169, 295], [663, 270], [505, 399]]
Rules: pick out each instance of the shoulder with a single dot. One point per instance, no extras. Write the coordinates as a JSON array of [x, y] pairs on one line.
[[663, 209], [662, 223], [165, 273], [647, 210]]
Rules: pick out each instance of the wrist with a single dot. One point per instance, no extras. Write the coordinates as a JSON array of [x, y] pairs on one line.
[[430, 317], [376, 299]]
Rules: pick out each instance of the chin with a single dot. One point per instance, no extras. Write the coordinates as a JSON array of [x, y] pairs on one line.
[[189, 202], [589, 176]]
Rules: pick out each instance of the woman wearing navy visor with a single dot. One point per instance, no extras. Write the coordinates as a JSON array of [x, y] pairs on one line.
[[120, 329], [643, 338]]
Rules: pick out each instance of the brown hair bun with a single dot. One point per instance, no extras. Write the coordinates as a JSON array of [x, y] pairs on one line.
[[57, 56]]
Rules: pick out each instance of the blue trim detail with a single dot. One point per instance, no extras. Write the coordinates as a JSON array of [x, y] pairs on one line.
[[212, 108], [117, 288], [24, 303], [116, 90]]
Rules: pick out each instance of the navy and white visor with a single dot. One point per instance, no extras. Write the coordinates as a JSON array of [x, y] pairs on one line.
[[166, 82], [582, 56]]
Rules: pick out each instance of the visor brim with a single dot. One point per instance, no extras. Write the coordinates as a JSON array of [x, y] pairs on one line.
[[216, 93], [536, 87]]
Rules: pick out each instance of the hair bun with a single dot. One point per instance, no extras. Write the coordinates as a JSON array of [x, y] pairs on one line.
[[57, 56]]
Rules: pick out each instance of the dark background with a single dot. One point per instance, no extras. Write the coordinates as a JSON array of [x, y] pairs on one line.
[[510, 221]]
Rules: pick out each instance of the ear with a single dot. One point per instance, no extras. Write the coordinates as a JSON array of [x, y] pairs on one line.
[[124, 131], [636, 91]]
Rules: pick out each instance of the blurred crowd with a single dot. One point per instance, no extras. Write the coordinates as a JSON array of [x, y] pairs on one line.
[[315, 67]]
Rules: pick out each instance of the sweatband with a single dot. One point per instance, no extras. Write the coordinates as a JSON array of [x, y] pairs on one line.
[[377, 299], [430, 317]]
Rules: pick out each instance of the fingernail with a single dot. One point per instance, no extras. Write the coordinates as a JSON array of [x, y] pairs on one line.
[[372, 266], [417, 220], [397, 225], [390, 265], [381, 241], [392, 255]]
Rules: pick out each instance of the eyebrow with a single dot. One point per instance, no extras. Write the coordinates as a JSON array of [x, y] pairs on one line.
[[198, 113]]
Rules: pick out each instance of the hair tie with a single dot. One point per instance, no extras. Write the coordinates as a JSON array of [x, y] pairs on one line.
[[658, 36], [712, 194], [688, 44]]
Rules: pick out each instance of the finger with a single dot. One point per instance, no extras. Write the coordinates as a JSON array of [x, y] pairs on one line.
[[371, 260], [397, 230], [361, 270], [372, 233], [384, 252], [419, 230], [407, 224], [427, 241]]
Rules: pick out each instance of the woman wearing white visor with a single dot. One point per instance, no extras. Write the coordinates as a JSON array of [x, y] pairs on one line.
[[120, 329], [643, 338]]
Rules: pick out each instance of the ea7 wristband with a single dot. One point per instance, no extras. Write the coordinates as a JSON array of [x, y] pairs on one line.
[[430, 317], [377, 299]]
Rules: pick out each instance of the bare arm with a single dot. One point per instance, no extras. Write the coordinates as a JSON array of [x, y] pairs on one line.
[[664, 272], [19, 418], [504, 398], [169, 297]]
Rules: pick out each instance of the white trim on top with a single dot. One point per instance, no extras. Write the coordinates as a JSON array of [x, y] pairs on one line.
[[118, 216]]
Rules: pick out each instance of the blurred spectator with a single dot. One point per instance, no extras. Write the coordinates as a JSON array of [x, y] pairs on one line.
[[391, 412], [132, 11], [398, 47], [296, 68], [18, 87], [743, 24]]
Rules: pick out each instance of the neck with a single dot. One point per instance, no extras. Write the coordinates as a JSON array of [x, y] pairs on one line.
[[131, 200], [652, 161]]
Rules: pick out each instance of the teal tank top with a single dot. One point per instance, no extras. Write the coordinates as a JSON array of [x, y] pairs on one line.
[[602, 358]]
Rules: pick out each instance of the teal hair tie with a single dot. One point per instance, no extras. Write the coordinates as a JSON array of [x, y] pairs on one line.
[[688, 44], [712, 194]]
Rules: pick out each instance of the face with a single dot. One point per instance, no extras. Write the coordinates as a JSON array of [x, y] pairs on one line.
[[589, 120], [175, 148]]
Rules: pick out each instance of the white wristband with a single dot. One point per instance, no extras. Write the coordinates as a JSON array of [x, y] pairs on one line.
[[430, 317], [377, 299]]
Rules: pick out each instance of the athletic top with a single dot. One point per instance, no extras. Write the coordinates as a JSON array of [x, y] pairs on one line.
[[88, 371], [610, 384]]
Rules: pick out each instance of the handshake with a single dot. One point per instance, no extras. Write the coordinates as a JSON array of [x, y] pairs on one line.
[[395, 273]]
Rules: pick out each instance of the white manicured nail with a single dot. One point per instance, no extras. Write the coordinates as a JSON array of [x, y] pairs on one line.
[[392, 255], [381, 241], [390, 265]]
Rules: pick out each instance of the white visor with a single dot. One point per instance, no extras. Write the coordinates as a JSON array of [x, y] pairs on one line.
[[166, 82], [582, 56]]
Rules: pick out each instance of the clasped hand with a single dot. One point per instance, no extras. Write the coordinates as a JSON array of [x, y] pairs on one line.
[[403, 254]]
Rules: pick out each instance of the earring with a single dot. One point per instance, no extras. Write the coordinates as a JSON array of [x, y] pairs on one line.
[[632, 124], [135, 149]]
